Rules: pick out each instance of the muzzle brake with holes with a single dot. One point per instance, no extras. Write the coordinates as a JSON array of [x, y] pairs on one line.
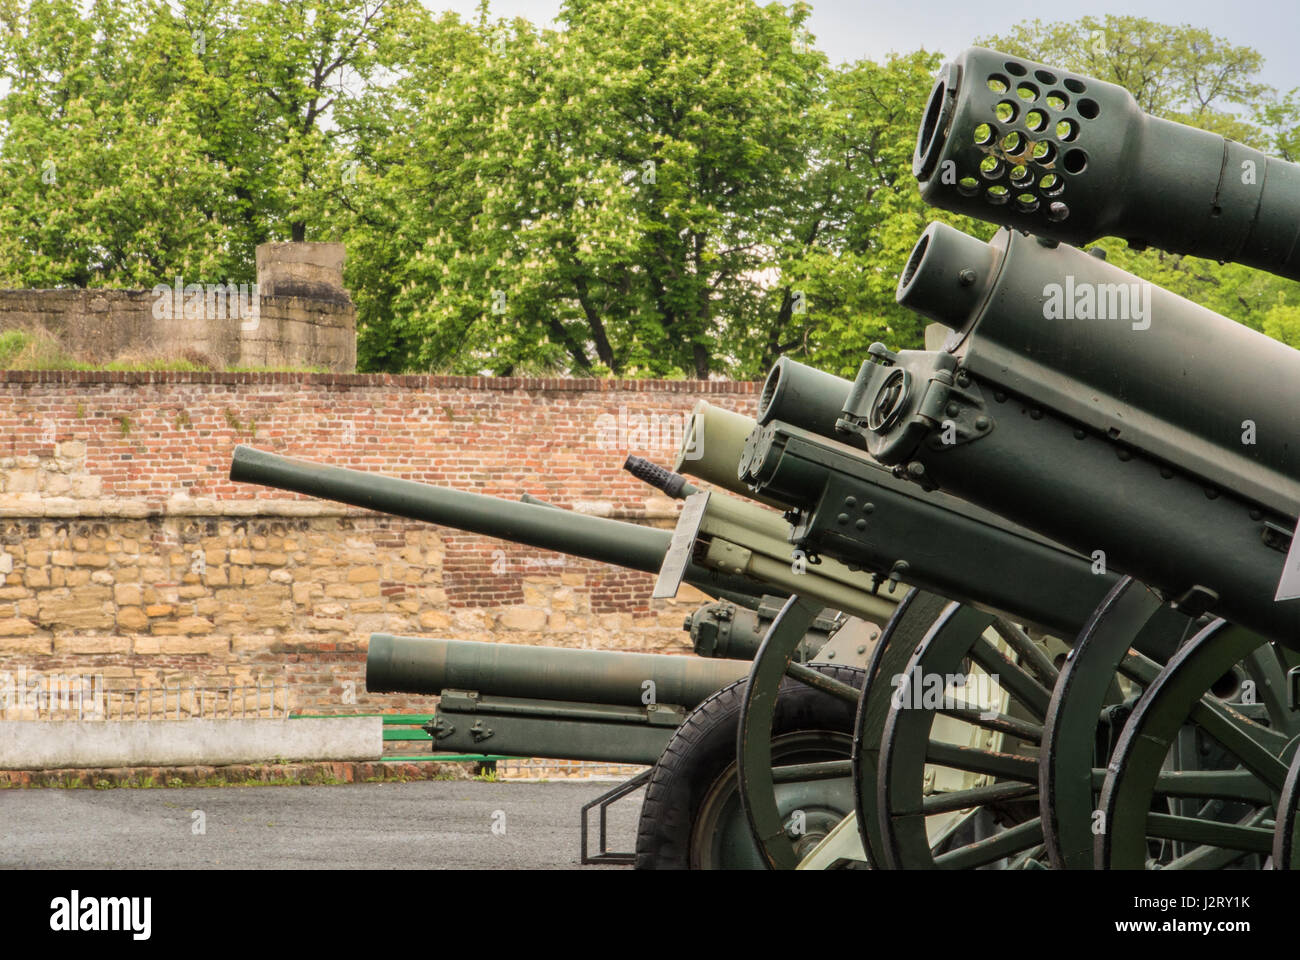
[[1075, 159]]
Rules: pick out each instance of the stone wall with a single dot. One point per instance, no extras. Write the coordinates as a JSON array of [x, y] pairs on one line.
[[299, 316], [128, 552]]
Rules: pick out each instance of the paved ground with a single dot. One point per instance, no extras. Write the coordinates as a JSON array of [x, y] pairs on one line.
[[427, 824]]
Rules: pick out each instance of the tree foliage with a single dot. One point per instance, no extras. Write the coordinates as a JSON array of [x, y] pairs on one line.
[[653, 189], [142, 140]]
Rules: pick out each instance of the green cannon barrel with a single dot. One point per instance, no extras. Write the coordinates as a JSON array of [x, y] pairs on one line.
[[803, 397], [1074, 158], [426, 666], [851, 509], [1164, 445], [712, 445], [595, 538], [1121, 355]]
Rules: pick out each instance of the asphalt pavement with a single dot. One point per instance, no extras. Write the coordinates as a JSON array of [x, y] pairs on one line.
[[425, 824]]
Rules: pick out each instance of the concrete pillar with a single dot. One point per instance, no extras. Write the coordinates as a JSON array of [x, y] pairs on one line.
[[310, 270], [306, 317]]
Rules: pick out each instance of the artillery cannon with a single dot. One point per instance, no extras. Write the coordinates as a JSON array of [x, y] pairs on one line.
[[596, 705], [596, 538], [522, 700], [1041, 420], [847, 507], [1084, 410], [1074, 159]]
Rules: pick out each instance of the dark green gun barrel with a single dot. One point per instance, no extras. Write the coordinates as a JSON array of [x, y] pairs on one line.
[[805, 398], [1120, 355], [857, 512], [595, 538], [1165, 444], [425, 666], [802, 396], [1074, 158]]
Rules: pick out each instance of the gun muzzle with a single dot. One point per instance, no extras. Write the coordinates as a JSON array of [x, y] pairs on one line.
[[1074, 159]]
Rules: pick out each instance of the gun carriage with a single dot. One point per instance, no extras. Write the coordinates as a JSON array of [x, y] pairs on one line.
[[1088, 491], [1118, 433], [594, 705]]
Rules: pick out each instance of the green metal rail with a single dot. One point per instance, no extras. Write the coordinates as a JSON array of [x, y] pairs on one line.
[[397, 727]]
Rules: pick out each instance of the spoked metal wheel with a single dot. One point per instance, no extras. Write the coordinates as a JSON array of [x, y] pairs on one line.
[[691, 817], [720, 837], [898, 641], [960, 740], [1214, 816], [781, 844], [1103, 665], [1286, 835]]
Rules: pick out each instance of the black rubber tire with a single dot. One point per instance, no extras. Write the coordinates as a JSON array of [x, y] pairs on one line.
[[704, 746]]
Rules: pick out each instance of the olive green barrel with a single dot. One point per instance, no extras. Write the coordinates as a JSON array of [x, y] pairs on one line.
[[1163, 444], [802, 396], [1073, 158], [1118, 354], [595, 538], [712, 445], [429, 666]]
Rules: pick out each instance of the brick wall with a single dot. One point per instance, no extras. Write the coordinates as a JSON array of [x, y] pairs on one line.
[[128, 552]]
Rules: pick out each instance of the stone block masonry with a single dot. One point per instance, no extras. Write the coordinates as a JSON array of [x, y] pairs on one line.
[[126, 552], [301, 315]]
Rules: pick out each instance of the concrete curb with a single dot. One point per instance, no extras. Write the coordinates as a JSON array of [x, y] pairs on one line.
[[37, 745]]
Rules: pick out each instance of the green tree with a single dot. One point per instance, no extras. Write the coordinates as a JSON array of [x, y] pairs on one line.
[[142, 140], [299, 61], [101, 182], [617, 183], [1279, 115], [407, 184], [1178, 72], [1282, 322]]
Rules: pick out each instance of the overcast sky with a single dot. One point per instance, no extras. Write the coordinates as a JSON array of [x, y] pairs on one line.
[[852, 29]]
